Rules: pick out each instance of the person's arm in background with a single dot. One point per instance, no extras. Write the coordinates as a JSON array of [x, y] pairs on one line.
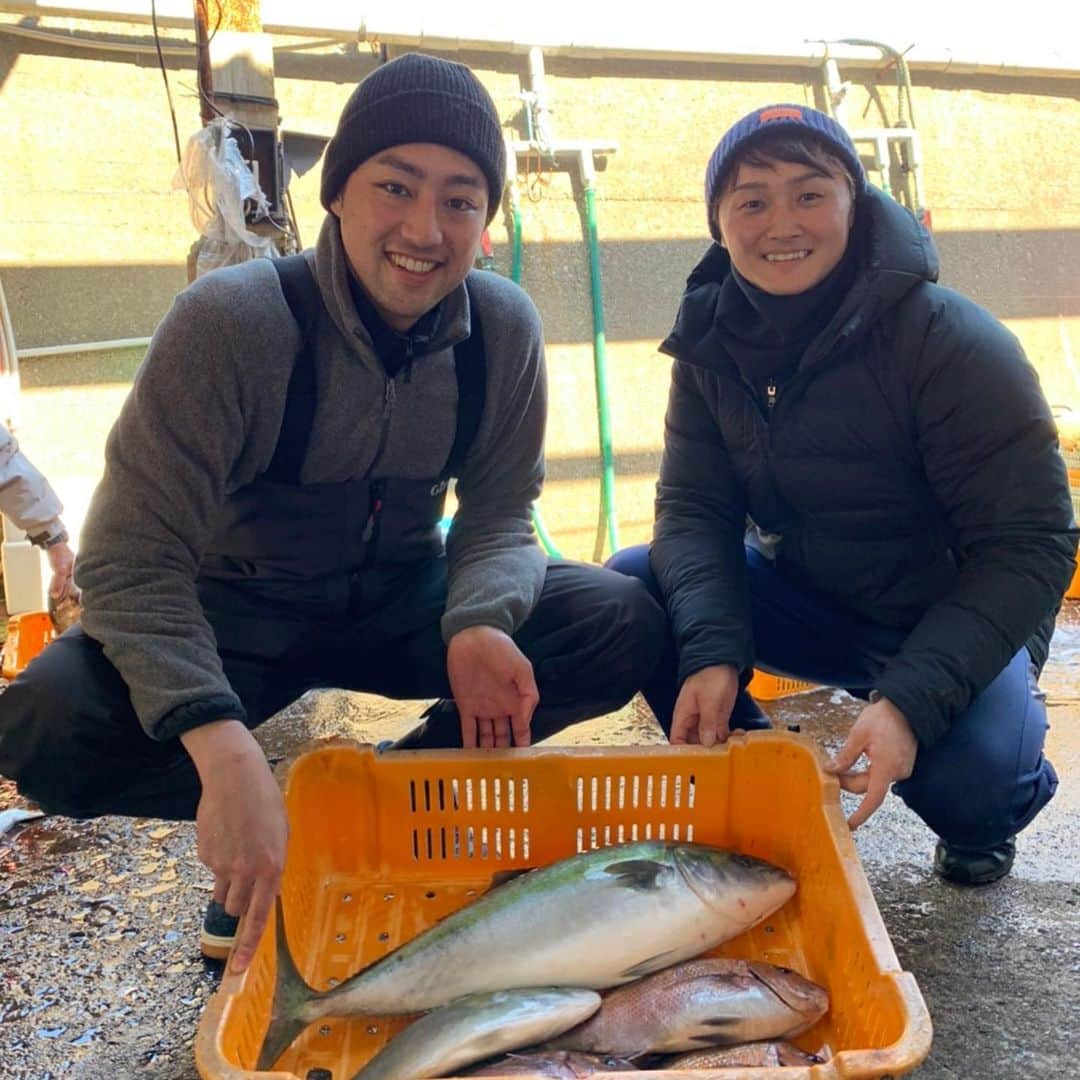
[[988, 444], [699, 560], [496, 568], [29, 500]]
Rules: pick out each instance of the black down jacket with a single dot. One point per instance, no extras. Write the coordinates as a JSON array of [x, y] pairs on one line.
[[910, 469]]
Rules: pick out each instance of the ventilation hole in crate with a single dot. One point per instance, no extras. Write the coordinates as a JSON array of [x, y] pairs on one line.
[[594, 787], [340, 938], [635, 792], [594, 840], [384, 936], [427, 796], [346, 898], [319, 1074], [483, 795], [469, 795], [675, 831], [769, 929], [511, 795], [648, 830], [325, 1029], [662, 832], [621, 835], [580, 840], [512, 840], [663, 790], [456, 845], [689, 834], [455, 795], [496, 793], [580, 786], [607, 836], [634, 832], [498, 842], [649, 785], [332, 982], [677, 792], [388, 896], [524, 794], [412, 795], [622, 793], [607, 792], [415, 846], [484, 851], [372, 1029], [430, 894], [470, 842], [525, 844], [691, 792], [442, 843]]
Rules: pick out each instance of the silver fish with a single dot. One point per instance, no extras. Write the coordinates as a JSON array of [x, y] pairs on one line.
[[709, 1002], [593, 920], [476, 1027], [553, 1065]]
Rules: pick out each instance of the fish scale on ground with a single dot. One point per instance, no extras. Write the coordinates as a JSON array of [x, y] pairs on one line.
[[596, 920]]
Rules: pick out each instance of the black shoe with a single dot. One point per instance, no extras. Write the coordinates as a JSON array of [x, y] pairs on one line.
[[974, 866], [218, 932]]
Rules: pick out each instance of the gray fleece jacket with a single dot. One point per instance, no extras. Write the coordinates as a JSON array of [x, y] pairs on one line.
[[202, 421]]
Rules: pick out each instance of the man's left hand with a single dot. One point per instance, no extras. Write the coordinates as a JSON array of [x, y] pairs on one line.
[[883, 734], [493, 686]]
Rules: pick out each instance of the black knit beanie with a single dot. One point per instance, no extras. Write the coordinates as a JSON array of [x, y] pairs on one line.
[[417, 99]]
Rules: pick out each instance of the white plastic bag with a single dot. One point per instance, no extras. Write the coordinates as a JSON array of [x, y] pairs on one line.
[[218, 181]]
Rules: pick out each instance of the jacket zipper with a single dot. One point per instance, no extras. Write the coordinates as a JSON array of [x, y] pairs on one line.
[[770, 394], [371, 529]]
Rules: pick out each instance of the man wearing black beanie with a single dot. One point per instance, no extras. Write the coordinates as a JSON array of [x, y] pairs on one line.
[[270, 518]]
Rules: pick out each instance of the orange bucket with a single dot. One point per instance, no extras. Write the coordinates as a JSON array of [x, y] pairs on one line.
[[384, 845], [27, 635]]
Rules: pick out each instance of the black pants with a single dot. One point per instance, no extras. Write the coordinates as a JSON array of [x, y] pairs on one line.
[[70, 739]]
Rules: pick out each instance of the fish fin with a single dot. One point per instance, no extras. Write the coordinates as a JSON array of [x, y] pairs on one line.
[[291, 993], [641, 874], [501, 877], [648, 965]]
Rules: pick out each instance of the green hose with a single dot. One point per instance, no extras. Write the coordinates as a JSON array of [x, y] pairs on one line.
[[607, 482], [515, 276]]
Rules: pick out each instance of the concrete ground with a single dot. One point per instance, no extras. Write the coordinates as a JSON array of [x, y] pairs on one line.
[[101, 975]]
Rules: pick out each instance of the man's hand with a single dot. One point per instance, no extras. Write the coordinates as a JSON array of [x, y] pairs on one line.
[[61, 563], [241, 826], [703, 708], [883, 734], [493, 686]]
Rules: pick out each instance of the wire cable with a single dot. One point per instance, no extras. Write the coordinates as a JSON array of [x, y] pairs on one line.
[[165, 76]]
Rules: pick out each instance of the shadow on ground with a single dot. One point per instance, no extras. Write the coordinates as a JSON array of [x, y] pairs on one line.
[[101, 975]]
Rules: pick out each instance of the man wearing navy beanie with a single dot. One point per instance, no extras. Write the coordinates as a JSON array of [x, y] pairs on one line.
[[271, 516]]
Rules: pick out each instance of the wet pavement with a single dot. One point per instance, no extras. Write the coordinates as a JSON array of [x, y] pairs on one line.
[[100, 974]]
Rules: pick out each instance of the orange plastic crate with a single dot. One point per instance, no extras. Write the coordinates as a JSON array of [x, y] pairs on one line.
[[27, 635], [768, 687], [382, 846]]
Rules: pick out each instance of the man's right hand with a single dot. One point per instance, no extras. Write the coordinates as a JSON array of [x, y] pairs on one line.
[[241, 826], [703, 708]]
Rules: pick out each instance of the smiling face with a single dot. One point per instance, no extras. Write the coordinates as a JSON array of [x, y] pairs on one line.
[[785, 224], [411, 220]]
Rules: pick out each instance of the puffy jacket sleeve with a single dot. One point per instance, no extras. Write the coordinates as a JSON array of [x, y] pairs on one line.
[[25, 495], [200, 417], [697, 551], [496, 569], [989, 448]]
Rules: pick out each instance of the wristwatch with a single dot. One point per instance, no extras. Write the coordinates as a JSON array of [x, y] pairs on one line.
[[45, 541]]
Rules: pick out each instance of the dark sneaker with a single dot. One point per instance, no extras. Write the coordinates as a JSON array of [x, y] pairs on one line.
[[218, 932], [974, 866]]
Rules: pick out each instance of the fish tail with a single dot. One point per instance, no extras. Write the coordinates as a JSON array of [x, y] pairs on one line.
[[291, 994]]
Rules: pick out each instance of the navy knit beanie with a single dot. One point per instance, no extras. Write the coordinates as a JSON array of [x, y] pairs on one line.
[[777, 118], [417, 99]]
